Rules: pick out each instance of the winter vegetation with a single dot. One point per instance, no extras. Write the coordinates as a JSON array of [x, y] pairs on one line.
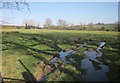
[[60, 50]]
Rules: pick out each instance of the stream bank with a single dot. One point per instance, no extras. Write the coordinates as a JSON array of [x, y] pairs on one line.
[[94, 69]]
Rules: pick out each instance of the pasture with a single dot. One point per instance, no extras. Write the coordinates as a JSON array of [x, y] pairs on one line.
[[25, 50]]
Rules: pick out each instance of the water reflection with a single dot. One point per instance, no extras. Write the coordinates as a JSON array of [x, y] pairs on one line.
[[89, 65], [94, 69], [64, 54]]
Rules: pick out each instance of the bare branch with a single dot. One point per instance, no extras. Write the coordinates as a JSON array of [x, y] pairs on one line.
[[20, 5]]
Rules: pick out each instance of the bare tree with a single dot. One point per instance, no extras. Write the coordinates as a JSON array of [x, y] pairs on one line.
[[48, 23], [29, 23], [62, 23]]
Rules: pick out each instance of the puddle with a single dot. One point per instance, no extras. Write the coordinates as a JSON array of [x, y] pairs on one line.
[[91, 73]]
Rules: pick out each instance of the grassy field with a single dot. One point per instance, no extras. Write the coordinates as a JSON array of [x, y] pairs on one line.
[[23, 50]]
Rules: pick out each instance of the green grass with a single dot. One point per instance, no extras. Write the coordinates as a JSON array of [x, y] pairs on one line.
[[13, 69], [34, 46]]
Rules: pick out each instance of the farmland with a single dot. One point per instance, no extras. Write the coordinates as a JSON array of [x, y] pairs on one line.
[[26, 50]]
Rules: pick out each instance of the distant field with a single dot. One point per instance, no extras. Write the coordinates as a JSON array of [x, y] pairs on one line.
[[32, 46], [46, 30]]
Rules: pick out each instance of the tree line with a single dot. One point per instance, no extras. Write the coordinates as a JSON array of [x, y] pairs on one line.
[[64, 25]]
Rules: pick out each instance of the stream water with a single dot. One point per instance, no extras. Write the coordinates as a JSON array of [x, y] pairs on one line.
[[63, 55], [91, 73]]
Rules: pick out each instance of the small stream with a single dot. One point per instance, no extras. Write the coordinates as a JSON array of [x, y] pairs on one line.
[[91, 72], [62, 55]]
